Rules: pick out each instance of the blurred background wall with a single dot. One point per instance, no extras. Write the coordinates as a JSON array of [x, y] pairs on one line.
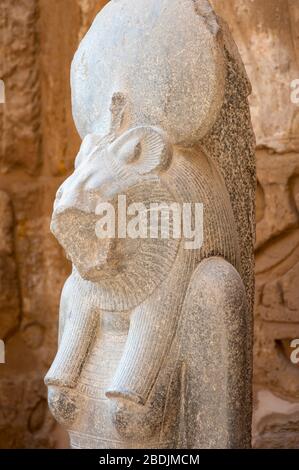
[[38, 145]]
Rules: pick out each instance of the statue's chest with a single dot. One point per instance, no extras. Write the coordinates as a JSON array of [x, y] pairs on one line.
[[104, 355], [94, 428]]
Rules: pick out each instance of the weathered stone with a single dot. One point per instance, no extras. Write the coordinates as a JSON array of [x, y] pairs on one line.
[[36, 47], [37, 416], [277, 176], [277, 302], [23, 402], [9, 289], [266, 34], [273, 365], [25, 321], [155, 336], [280, 297], [60, 140], [6, 227], [276, 424], [41, 267], [88, 9], [20, 116]]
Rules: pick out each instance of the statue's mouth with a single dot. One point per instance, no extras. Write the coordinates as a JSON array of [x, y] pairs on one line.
[[75, 231]]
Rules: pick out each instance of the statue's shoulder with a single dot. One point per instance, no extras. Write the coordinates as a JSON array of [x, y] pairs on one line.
[[69, 285], [216, 281], [75, 286]]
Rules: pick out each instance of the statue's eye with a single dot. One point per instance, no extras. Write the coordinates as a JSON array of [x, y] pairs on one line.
[[130, 151]]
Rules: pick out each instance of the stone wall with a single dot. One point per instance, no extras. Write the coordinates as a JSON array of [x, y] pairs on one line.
[[266, 32], [38, 145]]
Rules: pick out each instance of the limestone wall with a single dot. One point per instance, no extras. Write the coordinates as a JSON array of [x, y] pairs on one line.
[[38, 145], [266, 32]]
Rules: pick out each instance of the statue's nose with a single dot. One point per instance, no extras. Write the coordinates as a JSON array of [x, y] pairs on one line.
[[70, 196], [89, 182]]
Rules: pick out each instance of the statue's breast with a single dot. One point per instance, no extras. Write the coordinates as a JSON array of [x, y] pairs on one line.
[[100, 423], [93, 424]]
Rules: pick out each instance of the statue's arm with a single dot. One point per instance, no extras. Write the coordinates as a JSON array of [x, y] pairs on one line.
[[216, 341], [214, 334], [77, 325]]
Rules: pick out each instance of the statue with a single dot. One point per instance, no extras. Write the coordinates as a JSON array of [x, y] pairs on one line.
[[155, 333]]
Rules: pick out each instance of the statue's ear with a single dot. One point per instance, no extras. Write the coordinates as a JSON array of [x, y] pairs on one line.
[[144, 149]]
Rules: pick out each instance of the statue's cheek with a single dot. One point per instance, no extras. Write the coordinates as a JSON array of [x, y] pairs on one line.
[[63, 405]]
